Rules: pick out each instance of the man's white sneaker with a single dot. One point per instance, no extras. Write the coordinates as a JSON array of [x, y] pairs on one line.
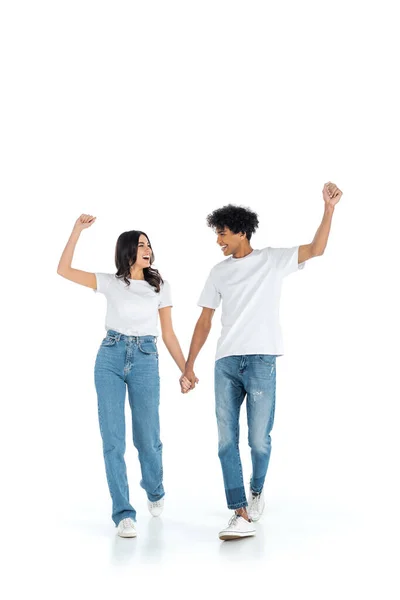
[[237, 527], [156, 508], [256, 504], [126, 528]]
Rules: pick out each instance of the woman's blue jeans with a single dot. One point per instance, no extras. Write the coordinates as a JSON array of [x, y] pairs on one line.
[[129, 361], [254, 376]]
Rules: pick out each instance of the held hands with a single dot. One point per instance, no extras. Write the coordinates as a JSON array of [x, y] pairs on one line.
[[331, 194], [188, 381], [83, 222]]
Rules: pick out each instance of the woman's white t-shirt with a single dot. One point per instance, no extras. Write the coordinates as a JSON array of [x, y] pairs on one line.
[[250, 289], [133, 309]]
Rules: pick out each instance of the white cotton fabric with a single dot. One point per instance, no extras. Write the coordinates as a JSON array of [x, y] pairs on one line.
[[133, 309], [250, 290]]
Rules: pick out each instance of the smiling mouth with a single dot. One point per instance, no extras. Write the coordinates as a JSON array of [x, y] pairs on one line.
[[223, 248]]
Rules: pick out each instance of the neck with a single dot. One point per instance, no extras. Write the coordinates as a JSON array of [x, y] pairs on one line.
[[137, 274], [243, 251]]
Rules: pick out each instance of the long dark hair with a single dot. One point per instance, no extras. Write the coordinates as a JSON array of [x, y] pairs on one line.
[[125, 257]]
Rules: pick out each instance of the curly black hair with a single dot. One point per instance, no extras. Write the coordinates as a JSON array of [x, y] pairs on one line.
[[237, 218], [125, 257]]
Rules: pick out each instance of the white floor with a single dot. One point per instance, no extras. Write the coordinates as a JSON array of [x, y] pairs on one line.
[[330, 528], [304, 548]]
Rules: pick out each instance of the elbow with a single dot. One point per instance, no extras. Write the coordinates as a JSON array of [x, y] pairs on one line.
[[317, 251], [62, 271]]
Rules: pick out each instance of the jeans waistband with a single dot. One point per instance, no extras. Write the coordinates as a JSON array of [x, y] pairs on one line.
[[131, 338]]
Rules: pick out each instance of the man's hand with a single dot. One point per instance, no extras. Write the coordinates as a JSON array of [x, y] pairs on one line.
[[331, 194], [188, 381]]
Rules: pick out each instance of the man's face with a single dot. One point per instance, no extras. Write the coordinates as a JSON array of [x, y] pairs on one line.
[[229, 241]]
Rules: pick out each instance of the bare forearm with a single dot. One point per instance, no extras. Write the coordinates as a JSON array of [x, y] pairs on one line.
[[173, 347], [200, 335], [68, 254], [321, 237]]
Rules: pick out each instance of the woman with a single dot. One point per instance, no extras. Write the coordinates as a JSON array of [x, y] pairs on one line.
[[128, 357]]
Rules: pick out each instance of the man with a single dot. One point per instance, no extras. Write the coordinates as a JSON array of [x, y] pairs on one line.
[[249, 284]]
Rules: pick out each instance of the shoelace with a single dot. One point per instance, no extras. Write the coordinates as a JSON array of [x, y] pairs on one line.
[[157, 503], [233, 520], [126, 522]]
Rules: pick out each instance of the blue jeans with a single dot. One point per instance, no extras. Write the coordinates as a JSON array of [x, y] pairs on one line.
[[254, 376], [130, 361]]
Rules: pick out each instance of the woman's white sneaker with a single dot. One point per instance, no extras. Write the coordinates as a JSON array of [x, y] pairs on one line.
[[156, 508], [126, 528], [237, 527], [256, 504]]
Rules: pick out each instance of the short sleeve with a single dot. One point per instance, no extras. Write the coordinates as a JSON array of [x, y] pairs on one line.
[[285, 260], [165, 298], [103, 281], [210, 296]]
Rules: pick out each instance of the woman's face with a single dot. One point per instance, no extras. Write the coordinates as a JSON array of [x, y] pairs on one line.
[[144, 253]]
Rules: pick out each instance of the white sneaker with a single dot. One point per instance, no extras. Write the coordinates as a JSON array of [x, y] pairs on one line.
[[237, 527], [156, 508], [126, 528], [256, 504]]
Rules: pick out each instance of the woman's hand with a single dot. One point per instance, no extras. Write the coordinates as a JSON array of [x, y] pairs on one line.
[[65, 265], [186, 384], [83, 222]]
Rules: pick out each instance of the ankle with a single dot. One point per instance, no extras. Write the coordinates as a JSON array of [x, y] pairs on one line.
[[242, 512]]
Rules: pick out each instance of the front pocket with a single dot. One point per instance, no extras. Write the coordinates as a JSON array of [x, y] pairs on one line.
[[268, 366], [266, 359], [108, 341], [148, 348]]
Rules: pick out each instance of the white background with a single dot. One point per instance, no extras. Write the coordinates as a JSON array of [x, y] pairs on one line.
[[150, 115]]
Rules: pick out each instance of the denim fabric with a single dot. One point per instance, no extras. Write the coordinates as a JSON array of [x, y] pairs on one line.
[[254, 376], [129, 361]]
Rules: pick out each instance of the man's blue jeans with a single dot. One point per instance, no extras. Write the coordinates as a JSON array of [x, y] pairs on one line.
[[254, 376], [129, 361]]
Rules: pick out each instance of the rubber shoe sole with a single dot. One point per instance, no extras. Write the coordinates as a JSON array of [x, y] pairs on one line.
[[128, 535], [235, 535]]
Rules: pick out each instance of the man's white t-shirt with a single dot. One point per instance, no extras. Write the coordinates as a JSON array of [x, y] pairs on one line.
[[133, 309], [250, 289]]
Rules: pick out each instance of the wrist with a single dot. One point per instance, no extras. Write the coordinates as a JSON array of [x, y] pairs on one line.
[[329, 208]]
